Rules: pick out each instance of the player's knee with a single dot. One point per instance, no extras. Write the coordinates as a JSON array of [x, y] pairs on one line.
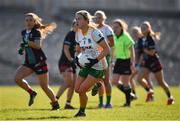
[[18, 79], [82, 90], [76, 90]]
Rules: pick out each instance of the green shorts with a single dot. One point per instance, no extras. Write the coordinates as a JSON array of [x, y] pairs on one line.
[[84, 72]]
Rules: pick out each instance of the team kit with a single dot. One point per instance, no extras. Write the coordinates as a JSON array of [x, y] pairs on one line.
[[94, 57]]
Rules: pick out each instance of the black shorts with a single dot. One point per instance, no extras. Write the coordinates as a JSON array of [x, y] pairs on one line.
[[66, 68], [154, 65], [39, 68], [122, 67]]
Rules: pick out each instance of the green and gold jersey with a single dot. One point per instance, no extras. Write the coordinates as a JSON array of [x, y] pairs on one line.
[[89, 45]]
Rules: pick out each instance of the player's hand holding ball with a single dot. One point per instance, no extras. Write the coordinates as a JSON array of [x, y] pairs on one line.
[[91, 62], [76, 62], [86, 60]]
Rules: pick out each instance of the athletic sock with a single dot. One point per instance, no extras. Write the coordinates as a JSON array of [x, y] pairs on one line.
[[82, 109], [57, 97], [108, 100], [127, 94], [121, 87], [168, 94], [101, 100], [147, 89]]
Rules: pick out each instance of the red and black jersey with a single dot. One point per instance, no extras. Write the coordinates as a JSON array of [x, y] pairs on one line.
[[70, 41], [151, 62], [138, 49], [149, 43], [32, 56]]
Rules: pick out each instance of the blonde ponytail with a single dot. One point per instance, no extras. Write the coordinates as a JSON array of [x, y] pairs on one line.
[[156, 35], [47, 29]]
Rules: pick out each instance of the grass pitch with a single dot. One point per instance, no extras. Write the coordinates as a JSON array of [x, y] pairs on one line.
[[14, 106]]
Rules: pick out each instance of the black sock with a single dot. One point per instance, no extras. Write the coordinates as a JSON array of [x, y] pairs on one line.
[[128, 96], [57, 97], [147, 89], [82, 109], [168, 94], [121, 87]]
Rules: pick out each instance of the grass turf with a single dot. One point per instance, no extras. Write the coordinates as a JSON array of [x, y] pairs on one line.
[[14, 106]]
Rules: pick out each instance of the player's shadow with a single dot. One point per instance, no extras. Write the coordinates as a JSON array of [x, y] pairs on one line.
[[37, 109], [34, 118], [92, 108], [25, 109], [44, 118], [114, 106]]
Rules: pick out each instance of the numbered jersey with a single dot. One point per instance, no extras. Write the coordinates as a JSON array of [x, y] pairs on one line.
[[89, 45]]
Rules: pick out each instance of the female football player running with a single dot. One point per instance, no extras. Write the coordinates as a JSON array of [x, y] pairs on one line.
[[90, 41], [66, 66], [146, 83], [100, 18], [151, 60], [35, 59]]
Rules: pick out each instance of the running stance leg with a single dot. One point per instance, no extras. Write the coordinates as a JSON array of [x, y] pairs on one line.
[[160, 78], [144, 72], [44, 83], [82, 86], [21, 73], [69, 79], [107, 88], [101, 94]]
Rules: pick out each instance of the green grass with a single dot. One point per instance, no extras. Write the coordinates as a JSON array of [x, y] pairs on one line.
[[13, 106]]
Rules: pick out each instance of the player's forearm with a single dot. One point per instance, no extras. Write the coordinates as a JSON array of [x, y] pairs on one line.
[[104, 53], [106, 50], [113, 58], [111, 41], [68, 55], [78, 49]]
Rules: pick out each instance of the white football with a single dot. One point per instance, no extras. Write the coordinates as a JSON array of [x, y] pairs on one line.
[[83, 58]]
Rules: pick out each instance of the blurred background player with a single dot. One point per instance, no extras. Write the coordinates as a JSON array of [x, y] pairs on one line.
[[35, 59], [100, 18], [151, 60], [124, 53], [145, 82], [90, 41], [67, 67]]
